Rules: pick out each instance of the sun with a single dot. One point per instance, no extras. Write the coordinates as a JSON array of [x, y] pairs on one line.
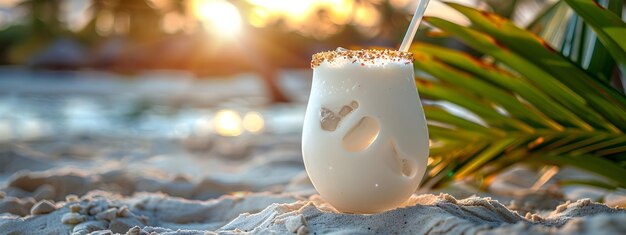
[[219, 16]]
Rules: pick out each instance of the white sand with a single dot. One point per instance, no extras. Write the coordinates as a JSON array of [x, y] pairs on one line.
[[262, 213], [169, 191]]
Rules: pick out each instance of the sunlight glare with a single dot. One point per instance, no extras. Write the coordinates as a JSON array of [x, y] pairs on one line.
[[220, 16], [227, 123], [295, 11], [285, 6]]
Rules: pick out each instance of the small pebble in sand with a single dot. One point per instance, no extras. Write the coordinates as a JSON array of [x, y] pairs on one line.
[[43, 207], [75, 208], [294, 223], [45, 191], [533, 217], [108, 214], [585, 202], [102, 232], [137, 231], [17, 206], [122, 211], [134, 231], [71, 198], [562, 207], [448, 197], [95, 209], [302, 230], [528, 215], [73, 218], [85, 209]]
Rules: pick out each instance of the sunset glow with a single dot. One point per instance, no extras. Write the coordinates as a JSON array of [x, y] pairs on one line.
[[218, 16]]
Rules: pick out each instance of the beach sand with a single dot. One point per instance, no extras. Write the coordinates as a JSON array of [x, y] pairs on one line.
[[103, 185]]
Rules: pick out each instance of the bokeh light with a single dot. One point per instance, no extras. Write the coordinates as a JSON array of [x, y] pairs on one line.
[[317, 18], [253, 122], [227, 123]]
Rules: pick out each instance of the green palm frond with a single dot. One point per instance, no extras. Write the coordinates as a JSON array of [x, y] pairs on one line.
[[565, 30], [532, 105], [610, 28]]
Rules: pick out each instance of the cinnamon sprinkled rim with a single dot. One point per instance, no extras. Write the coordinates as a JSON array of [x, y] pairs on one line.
[[363, 56]]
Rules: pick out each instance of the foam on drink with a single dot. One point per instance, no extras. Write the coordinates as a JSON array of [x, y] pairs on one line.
[[364, 57]]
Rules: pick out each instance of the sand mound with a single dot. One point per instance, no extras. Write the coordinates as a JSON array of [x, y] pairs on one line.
[[100, 210], [428, 214], [12, 161], [263, 213], [55, 185], [272, 174], [143, 192]]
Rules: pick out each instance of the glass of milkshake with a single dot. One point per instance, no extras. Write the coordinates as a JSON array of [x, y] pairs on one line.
[[364, 141]]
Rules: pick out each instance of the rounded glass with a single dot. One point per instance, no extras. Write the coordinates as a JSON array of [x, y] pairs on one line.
[[365, 140]]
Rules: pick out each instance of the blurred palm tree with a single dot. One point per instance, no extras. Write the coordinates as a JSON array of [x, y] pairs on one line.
[[43, 16], [519, 11], [41, 26], [135, 19]]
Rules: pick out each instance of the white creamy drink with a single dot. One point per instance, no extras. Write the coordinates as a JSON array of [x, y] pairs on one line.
[[365, 141]]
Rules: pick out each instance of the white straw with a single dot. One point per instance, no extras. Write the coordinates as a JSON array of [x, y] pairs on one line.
[[415, 23]]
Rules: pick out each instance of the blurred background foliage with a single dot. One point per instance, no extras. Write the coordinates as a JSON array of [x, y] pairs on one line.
[[209, 36], [202, 36]]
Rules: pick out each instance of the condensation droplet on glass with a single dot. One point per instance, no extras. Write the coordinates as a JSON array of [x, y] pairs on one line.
[[355, 86]]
